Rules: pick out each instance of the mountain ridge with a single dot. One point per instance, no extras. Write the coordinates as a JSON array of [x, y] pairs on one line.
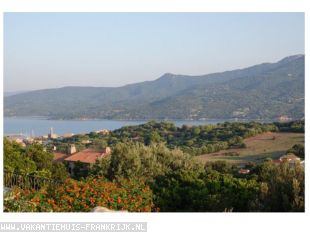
[[176, 96]]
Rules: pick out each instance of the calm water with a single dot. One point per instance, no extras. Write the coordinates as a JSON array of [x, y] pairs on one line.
[[42, 126]]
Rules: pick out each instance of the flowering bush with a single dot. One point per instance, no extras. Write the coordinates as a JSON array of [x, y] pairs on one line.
[[18, 200], [83, 196]]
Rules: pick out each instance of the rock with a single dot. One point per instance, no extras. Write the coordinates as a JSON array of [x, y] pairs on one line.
[[100, 209]]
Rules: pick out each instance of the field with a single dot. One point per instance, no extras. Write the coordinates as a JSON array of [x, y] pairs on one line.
[[266, 145]]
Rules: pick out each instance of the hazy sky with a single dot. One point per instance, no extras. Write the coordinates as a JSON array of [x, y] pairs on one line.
[[48, 50]]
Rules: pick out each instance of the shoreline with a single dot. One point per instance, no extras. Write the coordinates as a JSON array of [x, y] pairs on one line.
[[147, 120]]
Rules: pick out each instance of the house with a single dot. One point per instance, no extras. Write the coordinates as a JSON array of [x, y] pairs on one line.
[[67, 135], [276, 161], [59, 157], [81, 161], [52, 135], [71, 149], [18, 140], [107, 150], [244, 171], [86, 141], [28, 141], [103, 132], [290, 157], [38, 140], [284, 118]]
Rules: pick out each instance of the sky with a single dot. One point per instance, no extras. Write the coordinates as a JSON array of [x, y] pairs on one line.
[[51, 50]]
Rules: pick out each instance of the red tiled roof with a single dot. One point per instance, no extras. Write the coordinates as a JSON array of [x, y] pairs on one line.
[[86, 156], [58, 157], [290, 157], [277, 161], [244, 171]]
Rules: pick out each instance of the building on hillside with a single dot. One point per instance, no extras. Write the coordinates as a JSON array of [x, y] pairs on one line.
[[103, 132], [67, 135], [59, 157], [18, 140], [284, 118], [86, 141], [38, 140], [71, 149], [29, 141], [107, 150], [52, 135], [290, 157], [244, 171], [82, 161], [277, 161]]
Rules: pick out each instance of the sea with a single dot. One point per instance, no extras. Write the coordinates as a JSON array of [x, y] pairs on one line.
[[40, 126]]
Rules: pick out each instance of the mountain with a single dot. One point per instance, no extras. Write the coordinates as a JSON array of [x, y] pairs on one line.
[[7, 94], [264, 91]]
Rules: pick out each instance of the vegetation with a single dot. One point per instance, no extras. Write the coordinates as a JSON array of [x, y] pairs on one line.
[[298, 149], [152, 168], [180, 184], [293, 126], [266, 145], [194, 140], [282, 187], [71, 195], [135, 160], [83, 196], [32, 160]]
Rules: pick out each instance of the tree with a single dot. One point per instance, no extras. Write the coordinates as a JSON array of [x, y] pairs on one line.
[[195, 191], [15, 160], [137, 160], [59, 172], [285, 187], [152, 137], [42, 158], [298, 149], [219, 166], [101, 167]]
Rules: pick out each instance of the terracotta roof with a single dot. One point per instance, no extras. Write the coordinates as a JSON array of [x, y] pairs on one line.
[[86, 156], [277, 161], [290, 157], [244, 171], [59, 157]]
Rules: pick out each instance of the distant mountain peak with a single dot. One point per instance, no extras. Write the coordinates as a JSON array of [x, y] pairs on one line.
[[291, 58], [167, 75], [262, 91]]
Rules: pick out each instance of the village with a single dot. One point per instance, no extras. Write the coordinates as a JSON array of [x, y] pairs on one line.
[[77, 161]]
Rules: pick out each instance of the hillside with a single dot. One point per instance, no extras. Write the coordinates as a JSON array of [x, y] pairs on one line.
[[258, 148], [263, 91]]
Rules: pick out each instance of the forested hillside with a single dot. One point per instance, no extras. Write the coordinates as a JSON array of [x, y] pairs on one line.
[[264, 91]]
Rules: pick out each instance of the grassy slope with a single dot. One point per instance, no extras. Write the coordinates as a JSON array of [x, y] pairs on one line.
[[259, 147]]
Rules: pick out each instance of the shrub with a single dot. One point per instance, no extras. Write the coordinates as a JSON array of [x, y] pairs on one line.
[[83, 196]]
